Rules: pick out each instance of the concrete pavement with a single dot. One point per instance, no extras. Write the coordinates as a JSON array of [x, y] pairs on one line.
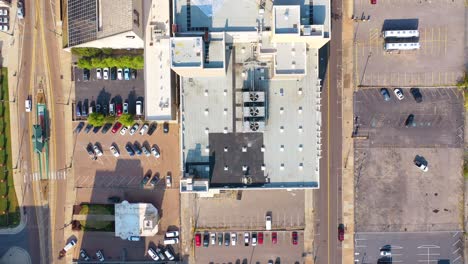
[[16, 255]]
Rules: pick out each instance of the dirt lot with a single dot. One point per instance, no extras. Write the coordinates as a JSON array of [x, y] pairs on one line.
[[439, 61], [287, 210], [392, 194], [110, 176]]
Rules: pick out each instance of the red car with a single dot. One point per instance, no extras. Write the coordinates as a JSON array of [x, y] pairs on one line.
[[118, 108], [116, 127], [260, 238], [294, 238], [374, 2], [274, 238], [341, 230], [197, 240]]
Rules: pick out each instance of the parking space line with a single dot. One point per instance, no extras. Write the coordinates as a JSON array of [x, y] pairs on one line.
[[455, 260], [458, 249]]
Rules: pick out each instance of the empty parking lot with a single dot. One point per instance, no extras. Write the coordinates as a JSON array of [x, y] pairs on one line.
[[424, 248], [438, 119], [439, 61]]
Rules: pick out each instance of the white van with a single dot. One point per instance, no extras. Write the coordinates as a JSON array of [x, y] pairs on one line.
[[153, 254], [172, 234], [139, 108], [28, 105], [268, 222], [171, 241]]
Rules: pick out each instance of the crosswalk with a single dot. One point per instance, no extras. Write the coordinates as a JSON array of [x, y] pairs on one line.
[[36, 176]]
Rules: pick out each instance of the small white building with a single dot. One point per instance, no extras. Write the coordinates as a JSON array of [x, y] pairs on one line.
[[135, 219]]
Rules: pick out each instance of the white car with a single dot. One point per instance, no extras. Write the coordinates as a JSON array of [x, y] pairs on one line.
[[421, 166], [134, 129], [153, 254], [246, 238], [168, 181], [28, 105], [399, 93], [172, 234], [119, 74], [123, 131], [97, 150], [98, 73], [100, 256], [106, 73], [125, 108], [155, 152], [213, 238], [385, 253], [145, 151], [233, 239], [143, 129], [114, 151]]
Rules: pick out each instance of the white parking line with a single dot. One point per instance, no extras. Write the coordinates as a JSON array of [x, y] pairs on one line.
[[456, 251], [455, 260], [459, 240], [428, 246]]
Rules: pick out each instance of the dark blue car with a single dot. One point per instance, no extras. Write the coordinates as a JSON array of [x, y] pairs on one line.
[[129, 149]]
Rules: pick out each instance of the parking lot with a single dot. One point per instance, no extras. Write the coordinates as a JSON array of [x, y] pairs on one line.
[[438, 119], [226, 212], [99, 91], [424, 248], [439, 61], [282, 252], [97, 180]]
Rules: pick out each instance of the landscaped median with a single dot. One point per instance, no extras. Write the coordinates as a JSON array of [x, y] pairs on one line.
[[94, 217], [9, 209]]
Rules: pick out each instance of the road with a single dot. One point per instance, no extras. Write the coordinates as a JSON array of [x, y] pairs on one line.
[[328, 198]]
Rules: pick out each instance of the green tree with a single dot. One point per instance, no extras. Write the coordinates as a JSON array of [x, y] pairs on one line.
[[86, 52], [126, 119], [96, 119], [107, 51], [85, 63]]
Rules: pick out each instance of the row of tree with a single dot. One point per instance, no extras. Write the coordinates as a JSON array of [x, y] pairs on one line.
[[133, 62], [99, 119]]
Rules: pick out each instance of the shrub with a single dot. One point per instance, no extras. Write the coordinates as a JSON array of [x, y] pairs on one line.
[[86, 52], [85, 63], [134, 62], [3, 205], [96, 119], [3, 188], [126, 119]]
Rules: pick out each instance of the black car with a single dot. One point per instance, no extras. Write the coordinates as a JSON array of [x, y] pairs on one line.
[[104, 109], [88, 128], [78, 109], [113, 199], [386, 95], [166, 127], [416, 94], [154, 180], [85, 75], [98, 108], [137, 149], [133, 73], [79, 127], [90, 151], [409, 121], [152, 128], [227, 239], [160, 253], [206, 239], [220, 239], [129, 149], [145, 180], [84, 109], [96, 129], [106, 128], [113, 73]]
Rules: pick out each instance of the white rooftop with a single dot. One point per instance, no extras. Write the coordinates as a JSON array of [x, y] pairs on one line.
[[187, 52], [138, 219], [158, 82], [287, 19], [290, 58]]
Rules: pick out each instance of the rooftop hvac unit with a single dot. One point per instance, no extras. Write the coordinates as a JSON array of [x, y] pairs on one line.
[[254, 126], [253, 97], [254, 111]]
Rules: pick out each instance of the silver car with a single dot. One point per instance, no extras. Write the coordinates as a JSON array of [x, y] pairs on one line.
[[134, 129]]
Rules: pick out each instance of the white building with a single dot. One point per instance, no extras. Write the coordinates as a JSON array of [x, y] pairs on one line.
[[139, 219]]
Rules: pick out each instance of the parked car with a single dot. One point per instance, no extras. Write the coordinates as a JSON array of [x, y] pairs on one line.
[[197, 239], [85, 75], [169, 254], [97, 150], [133, 73], [116, 127], [160, 253], [119, 74], [127, 74], [106, 128], [220, 239], [100, 256], [153, 254], [84, 256], [134, 129], [168, 181], [373, 2], [233, 239], [421, 165], [399, 93], [79, 127], [111, 109], [28, 107], [114, 151], [90, 151], [341, 231], [98, 108], [152, 128], [143, 129], [145, 151], [106, 73], [84, 112], [274, 238], [154, 181], [260, 238], [113, 73], [155, 152], [113, 199], [294, 238], [385, 253], [123, 130], [99, 73], [125, 108], [133, 238], [409, 121], [213, 238], [166, 127], [145, 180], [88, 128], [246, 239], [416, 94], [77, 112], [118, 109], [227, 239], [104, 109], [254, 239], [20, 12], [386, 95], [129, 149], [172, 234], [96, 129], [206, 239], [137, 148]]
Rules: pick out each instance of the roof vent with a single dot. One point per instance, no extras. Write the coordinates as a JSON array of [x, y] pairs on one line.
[[262, 167], [301, 166], [206, 111], [299, 110], [300, 129], [282, 148], [225, 130], [207, 130], [253, 97], [225, 149], [282, 166], [299, 91], [225, 111], [262, 149], [207, 149], [254, 126], [206, 92], [300, 147], [245, 168], [281, 129], [226, 168], [281, 110], [244, 149], [254, 111]]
